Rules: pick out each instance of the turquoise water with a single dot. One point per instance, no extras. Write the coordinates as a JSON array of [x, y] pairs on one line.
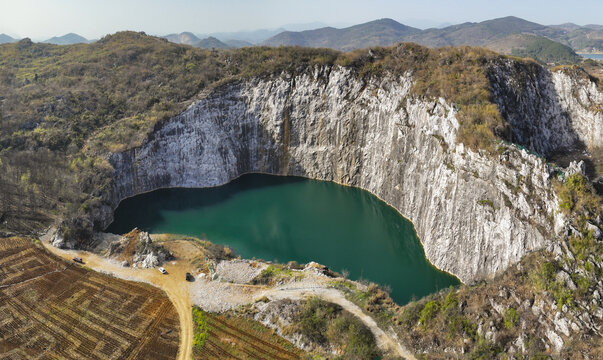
[[290, 218], [592, 56]]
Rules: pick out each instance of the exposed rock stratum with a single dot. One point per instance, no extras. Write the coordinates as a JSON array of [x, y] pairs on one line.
[[475, 213]]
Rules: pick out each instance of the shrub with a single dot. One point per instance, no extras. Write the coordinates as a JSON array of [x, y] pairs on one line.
[[483, 350], [583, 246], [577, 195], [430, 310], [349, 333], [201, 331], [328, 324], [511, 317], [562, 295], [487, 202], [272, 273], [314, 317], [582, 283], [451, 302], [544, 275], [410, 315]]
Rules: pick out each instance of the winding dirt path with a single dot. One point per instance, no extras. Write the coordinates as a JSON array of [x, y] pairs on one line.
[[179, 292], [174, 284], [385, 341]]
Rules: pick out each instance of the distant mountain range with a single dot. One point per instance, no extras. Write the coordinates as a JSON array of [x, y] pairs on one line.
[[509, 35], [237, 43], [186, 38], [556, 43], [6, 39], [378, 32], [579, 38], [211, 42], [67, 39]]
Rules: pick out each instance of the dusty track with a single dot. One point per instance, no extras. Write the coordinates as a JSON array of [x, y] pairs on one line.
[[173, 284], [385, 341], [179, 292]]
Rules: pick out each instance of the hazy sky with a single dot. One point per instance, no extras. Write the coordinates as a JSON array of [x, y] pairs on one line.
[[40, 19]]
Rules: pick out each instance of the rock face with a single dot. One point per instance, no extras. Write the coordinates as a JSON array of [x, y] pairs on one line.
[[69, 233], [135, 249], [475, 214], [149, 255], [548, 112]]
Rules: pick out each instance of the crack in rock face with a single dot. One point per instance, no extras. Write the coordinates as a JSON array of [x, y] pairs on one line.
[[475, 214]]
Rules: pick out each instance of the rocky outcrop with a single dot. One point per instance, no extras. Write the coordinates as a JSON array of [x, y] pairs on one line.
[[69, 233], [135, 249], [474, 213], [148, 254], [549, 112]]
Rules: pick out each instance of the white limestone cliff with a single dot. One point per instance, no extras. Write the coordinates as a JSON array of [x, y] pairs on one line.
[[475, 213]]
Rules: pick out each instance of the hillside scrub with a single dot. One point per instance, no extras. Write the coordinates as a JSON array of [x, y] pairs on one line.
[[324, 323], [546, 50]]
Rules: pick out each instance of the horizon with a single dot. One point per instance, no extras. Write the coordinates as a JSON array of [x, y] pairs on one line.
[[39, 20]]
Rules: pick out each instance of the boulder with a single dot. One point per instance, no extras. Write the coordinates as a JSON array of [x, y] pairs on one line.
[[575, 167]]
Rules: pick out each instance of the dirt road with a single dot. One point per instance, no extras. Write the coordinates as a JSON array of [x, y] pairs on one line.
[[174, 284], [179, 291], [385, 341]]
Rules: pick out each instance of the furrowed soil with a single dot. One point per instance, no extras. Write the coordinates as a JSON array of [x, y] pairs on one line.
[[52, 309], [173, 283], [238, 338]]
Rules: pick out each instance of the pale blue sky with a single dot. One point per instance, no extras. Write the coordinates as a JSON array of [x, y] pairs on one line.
[[40, 19]]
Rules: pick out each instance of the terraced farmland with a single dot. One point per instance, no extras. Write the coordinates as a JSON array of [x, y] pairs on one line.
[[51, 309], [231, 337]]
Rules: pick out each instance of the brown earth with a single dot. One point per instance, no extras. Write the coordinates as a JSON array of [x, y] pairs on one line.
[[50, 308]]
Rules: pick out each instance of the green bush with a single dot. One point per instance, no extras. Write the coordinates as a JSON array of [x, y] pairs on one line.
[[511, 318], [272, 273], [451, 302], [484, 350], [581, 247], [562, 295], [544, 275], [577, 195], [357, 340], [582, 283], [314, 318], [430, 310], [200, 331]]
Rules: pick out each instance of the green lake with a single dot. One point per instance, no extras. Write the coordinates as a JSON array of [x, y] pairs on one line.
[[290, 218]]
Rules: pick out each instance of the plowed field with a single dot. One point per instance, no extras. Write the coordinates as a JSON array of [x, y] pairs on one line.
[[52, 309], [230, 337]]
